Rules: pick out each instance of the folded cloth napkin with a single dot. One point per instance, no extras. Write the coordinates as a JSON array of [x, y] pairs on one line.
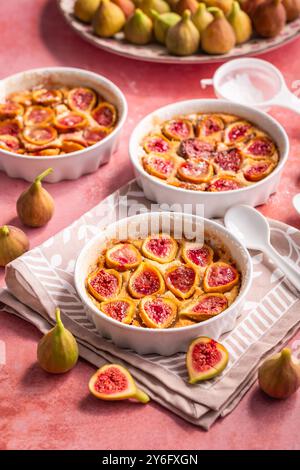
[[43, 278]]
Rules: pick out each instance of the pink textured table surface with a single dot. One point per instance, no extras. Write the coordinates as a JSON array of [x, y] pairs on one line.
[[38, 411]]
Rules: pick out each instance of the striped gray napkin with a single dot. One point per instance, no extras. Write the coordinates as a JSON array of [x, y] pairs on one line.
[[43, 278]]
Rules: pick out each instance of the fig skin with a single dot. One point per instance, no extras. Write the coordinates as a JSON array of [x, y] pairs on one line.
[[218, 37], [241, 24], [127, 6], [215, 369], [160, 6], [269, 18], [183, 5], [279, 375], [162, 23], [57, 351], [13, 243], [84, 10], [183, 38], [292, 8], [138, 29], [224, 5], [35, 206], [108, 20], [202, 17]]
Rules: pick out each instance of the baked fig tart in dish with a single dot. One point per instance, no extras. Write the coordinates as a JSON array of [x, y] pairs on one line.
[[143, 284]]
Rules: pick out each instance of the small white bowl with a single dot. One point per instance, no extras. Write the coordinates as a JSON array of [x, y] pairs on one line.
[[169, 341], [72, 165], [215, 204]]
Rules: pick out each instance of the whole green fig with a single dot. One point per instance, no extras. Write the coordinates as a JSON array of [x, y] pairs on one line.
[[202, 17], [183, 38], [138, 29], [84, 10], [162, 23], [157, 5], [240, 23], [108, 20]]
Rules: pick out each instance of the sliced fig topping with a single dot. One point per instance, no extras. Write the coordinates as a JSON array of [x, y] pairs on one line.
[[229, 160], [38, 116], [94, 135], [195, 148], [10, 127], [161, 166], [207, 306], [220, 277], [182, 280], [260, 147], [39, 135], [47, 97], [156, 144], [195, 170], [123, 256], [82, 99], [185, 185], [210, 126], [224, 183], [105, 114], [10, 110], [238, 131], [157, 312], [9, 143], [178, 129], [69, 146], [121, 310], [46, 152], [161, 248], [104, 284], [256, 171], [70, 121], [205, 359], [198, 254], [146, 280]]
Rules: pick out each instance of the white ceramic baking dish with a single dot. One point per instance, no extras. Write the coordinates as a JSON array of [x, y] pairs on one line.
[[215, 204], [72, 165], [172, 340]]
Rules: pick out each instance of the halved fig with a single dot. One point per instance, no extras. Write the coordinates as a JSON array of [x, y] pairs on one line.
[[156, 144], [104, 284], [121, 309], [205, 307], [157, 312], [10, 110], [188, 186], [224, 183], [146, 280], [68, 146], [46, 152], [105, 114], [95, 134], [260, 148], [162, 248], [237, 132], [47, 97], [161, 166], [205, 359], [123, 256], [195, 148], [10, 127], [82, 99], [9, 143], [220, 277], [229, 160], [257, 170], [70, 121], [198, 254], [38, 116], [182, 280], [39, 135], [114, 382], [210, 126], [178, 129], [196, 170], [21, 97]]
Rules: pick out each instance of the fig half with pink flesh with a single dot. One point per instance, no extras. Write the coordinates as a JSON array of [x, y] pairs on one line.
[[195, 148], [146, 280], [220, 277], [9, 143], [205, 307], [113, 382], [224, 183], [156, 144], [260, 148], [70, 121], [205, 359], [196, 170], [162, 248], [210, 127], [158, 312], [121, 309], [161, 166], [178, 129], [10, 110], [104, 284], [229, 160], [123, 256], [38, 116], [82, 99], [198, 254], [105, 114], [238, 132], [257, 170], [182, 280], [10, 127]]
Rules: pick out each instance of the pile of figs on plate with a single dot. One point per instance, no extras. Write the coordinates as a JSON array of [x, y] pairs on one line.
[[186, 27]]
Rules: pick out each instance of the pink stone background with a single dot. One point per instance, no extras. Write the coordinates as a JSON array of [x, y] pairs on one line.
[[39, 411]]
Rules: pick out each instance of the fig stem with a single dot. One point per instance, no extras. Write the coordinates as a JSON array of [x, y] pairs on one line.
[[4, 231], [186, 15], [59, 323], [141, 396], [43, 175], [216, 12], [286, 354]]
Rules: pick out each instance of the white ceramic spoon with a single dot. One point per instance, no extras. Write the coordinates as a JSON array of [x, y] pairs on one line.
[[253, 230], [296, 202]]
